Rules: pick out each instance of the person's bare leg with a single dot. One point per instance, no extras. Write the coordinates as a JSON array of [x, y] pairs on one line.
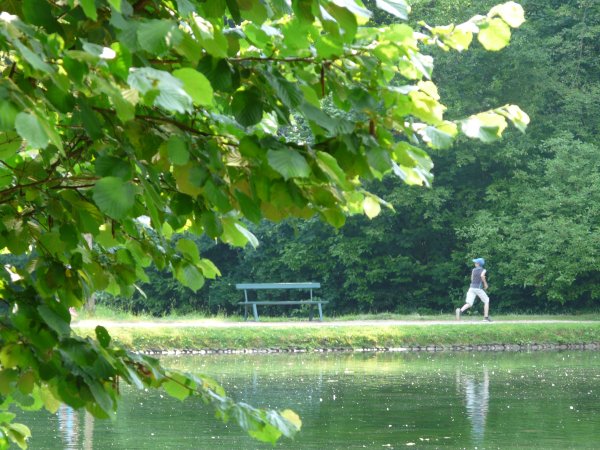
[[459, 311]]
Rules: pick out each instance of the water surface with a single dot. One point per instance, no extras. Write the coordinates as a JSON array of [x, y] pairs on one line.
[[350, 401]]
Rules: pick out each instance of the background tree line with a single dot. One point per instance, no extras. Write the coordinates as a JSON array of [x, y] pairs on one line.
[[529, 203]]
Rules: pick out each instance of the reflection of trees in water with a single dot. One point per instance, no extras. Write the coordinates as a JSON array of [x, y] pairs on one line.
[[69, 428], [477, 398]]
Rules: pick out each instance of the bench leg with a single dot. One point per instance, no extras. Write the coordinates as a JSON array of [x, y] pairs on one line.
[[320, 313], [310, 313], [255, 311], [245, 313]]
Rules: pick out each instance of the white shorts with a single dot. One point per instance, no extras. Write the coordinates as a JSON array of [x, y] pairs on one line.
[[472, 292]]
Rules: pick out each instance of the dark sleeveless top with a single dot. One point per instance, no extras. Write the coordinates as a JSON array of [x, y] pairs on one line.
[[476, 281]]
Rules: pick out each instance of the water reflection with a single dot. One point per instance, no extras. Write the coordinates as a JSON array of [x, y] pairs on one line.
[[477, 398], [360, 401], [70, 429]]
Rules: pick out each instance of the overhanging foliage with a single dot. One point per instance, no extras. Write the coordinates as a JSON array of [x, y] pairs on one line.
[[123, 122]]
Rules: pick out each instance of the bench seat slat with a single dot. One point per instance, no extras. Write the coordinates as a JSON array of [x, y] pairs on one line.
[[252, 286]]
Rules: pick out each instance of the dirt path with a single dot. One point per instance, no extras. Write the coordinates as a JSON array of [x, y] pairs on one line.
[[91, 323]]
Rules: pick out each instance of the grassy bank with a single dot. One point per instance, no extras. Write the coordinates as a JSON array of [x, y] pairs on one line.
[[103, 313], [352, 337]]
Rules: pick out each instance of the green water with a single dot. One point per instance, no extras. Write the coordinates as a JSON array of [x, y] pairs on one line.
[[378, 401]]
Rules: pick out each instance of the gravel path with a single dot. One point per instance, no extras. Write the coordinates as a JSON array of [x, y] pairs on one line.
[[91, 323]]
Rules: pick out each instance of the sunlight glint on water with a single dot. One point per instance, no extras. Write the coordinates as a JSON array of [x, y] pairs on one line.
[[462, 400]]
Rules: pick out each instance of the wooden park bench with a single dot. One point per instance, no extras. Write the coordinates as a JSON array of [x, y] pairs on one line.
[[263, 286]]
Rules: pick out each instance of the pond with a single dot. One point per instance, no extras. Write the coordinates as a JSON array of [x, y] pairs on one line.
[[381, 400]]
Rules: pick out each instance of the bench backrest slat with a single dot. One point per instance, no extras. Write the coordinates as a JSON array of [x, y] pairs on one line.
[[306, 285]]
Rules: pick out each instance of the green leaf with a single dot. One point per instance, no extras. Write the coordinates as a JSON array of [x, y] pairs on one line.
[[158, 36], [211, 224], [289, 94], [236, 234], [185, 7], [210, 36], [59, 323], [441, 136], [196, 85], [190, 49], [516, 115], [189, 249], [328, 164], [495, 36], [33, 58], [178, 386], [249, 208], [63, 102], [401, 154], [334, 125], [9, 144], [217, 197], [289, 163], [247, 107], [379, 160], [19, 433], [121, 63], [209, 270], [189, 276], [89, 8], [329, 46], [98, 51], [512, 13], [178, 151], [39, 13], [139, 253], [176, 390], [8, 115], [107, 165], [114, 197], [49, 400], [256, 35], [412, 175], [234, 10], [102, 397], [171, 94], [346, 20], [116, 4], [6, 416], [334, 217], [398, 8], [102, 336], [487, 127], [190, 178], [460, 38], [31, 129], [293, 419], [354, 7], [371, 207], [426, 107]]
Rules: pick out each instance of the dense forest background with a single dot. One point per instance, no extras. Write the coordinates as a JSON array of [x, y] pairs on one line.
[[529, 204]]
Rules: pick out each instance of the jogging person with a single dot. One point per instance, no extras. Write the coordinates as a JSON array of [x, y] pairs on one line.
[[478, 284]]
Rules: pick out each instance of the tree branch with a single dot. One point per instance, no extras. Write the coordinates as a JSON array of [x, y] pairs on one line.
[[308, 59], [13, 68]]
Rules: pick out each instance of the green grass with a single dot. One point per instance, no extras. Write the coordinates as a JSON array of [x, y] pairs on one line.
[[104, 313], [351, 337], [292, 336]]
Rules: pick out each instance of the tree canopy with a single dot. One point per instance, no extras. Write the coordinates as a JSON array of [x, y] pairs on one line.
[[525, 202], [123, 122]]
